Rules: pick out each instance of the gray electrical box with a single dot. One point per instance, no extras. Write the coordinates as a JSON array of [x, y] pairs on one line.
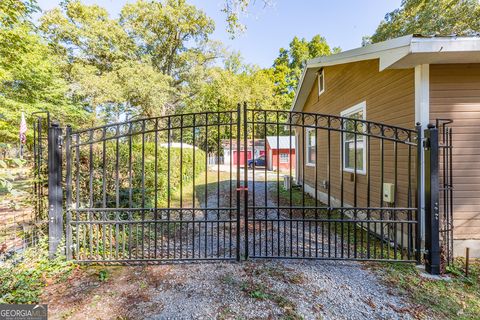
[[287, 182], [388, 192]]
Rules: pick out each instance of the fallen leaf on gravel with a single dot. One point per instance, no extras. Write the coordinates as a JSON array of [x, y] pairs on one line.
[[370, 302], [318, 307]]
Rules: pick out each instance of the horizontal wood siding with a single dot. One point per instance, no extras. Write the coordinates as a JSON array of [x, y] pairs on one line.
[[455, 94], [390, 99]]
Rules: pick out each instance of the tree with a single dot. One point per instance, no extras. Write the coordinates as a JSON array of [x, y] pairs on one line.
[[30, 76], [175, 37], [165, 31], [147, 62], [288, 66], [233, 83], [14, 11], [233, 9], [430, 17]]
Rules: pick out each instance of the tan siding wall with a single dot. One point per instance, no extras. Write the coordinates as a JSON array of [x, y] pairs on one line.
[[455, 94], [390, 99]]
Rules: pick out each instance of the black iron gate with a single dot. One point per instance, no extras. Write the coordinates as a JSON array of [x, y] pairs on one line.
[[245, 184], [350, 193], [146, 190]]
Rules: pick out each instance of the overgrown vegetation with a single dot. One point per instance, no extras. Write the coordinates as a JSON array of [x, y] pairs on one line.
[[16, 217], [23, 280], [456, 297], [7, 177]]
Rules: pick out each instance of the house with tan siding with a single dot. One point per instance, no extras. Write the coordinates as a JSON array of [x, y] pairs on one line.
[[409, 82]]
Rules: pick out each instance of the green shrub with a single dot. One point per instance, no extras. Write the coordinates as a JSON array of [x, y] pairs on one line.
[[140, 182]]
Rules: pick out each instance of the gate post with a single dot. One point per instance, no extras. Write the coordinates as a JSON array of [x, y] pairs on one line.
[[432, 223], [55, 196], [245, 173], [238, 182], [68, 193]]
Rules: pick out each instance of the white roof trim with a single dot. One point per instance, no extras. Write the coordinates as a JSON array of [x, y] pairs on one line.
[[451, 44], [363, 53], [391, 54]]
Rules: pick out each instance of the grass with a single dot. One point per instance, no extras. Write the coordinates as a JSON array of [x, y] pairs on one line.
[[455, 298], [212, 178]]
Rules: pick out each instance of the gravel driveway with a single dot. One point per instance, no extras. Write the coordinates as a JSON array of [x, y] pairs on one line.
[[260, 289], [252, 289], [273, 289]]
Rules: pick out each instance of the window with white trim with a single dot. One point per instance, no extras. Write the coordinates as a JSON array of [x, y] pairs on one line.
[[310, 146], [354, 141], [321, 81], [283, 157]]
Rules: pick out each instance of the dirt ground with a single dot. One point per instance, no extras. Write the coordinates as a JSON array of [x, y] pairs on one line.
[[250, 290]]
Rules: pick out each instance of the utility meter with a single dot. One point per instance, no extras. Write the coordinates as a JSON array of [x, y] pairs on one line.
[[388, 192]]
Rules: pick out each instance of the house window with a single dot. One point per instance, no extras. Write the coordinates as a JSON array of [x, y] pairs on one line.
[[310, 144], [321, 81], [283, 157], [353, 139]]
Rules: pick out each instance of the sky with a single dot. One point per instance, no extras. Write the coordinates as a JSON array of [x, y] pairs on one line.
[[342, 22]]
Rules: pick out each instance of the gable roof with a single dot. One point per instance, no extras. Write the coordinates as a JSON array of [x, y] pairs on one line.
[[399, 53], [283, 142]]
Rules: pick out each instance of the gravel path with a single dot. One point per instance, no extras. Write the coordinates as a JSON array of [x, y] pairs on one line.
[[271, 290], [213, 235], [260, 289]]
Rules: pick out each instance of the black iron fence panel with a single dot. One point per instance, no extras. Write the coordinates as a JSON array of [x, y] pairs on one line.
[[147, 189], [41, 124], [23, 219], [330, 187]]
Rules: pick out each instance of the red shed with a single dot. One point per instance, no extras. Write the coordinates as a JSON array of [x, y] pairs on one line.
[[281, 153]]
